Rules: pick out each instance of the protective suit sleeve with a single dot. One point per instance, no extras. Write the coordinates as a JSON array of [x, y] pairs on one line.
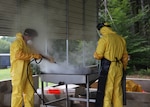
[[26, 56], [21, 55], [125, 57], [99, 53]]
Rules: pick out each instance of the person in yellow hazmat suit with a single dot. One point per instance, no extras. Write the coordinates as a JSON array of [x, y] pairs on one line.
[[20, 56], [112, 52]]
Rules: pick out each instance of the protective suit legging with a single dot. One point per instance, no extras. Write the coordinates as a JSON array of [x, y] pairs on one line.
[[113, 90], [105, 64], [22, 91], [109, 92]]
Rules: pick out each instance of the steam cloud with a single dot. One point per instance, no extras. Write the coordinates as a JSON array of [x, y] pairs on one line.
[[62, 68]]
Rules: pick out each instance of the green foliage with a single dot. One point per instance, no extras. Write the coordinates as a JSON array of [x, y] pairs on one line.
[[82, 53], [4, 46], [144, 72], [78, 51], [8, 39], [59, 48], [140, 72], [137, 44]]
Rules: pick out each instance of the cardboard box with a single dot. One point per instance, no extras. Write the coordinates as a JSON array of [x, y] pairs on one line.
[[94, 85]]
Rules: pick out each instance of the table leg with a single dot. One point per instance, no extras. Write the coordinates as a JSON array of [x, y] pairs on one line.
[[87, 91], [67, 96], [42, 84]]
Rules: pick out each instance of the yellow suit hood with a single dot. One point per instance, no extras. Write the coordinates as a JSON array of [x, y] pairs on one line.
[[19, 35], [106, 31]]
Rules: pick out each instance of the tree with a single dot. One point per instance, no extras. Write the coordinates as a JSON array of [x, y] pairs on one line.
[[79, 52], [8, 39], [4, 46]]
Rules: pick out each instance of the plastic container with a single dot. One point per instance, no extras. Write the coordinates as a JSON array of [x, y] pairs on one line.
[[54, 91]]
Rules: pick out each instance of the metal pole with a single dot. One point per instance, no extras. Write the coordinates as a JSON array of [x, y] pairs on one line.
[[67, 96], [83, 42], [87, 91], [46, 46], [46, 15], [67, 46], [42, 92], [46, 21], [98, 62], [46, 52], [67, 31]]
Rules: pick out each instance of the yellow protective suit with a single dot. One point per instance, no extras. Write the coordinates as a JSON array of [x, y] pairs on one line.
[[111, 45], [20, 55]]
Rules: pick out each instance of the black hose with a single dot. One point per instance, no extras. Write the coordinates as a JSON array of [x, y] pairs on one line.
[[42, 99]]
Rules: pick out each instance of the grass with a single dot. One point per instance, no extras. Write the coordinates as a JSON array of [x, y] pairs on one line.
[[5, 74]]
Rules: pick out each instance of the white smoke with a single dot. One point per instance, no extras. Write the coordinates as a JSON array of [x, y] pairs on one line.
[[62, 68]]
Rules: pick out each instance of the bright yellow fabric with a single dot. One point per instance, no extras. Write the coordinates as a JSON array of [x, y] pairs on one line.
[[20, 55], [111, 45], [133, 87]]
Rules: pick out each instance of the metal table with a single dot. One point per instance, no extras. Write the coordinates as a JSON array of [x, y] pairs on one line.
[[70, 79]]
